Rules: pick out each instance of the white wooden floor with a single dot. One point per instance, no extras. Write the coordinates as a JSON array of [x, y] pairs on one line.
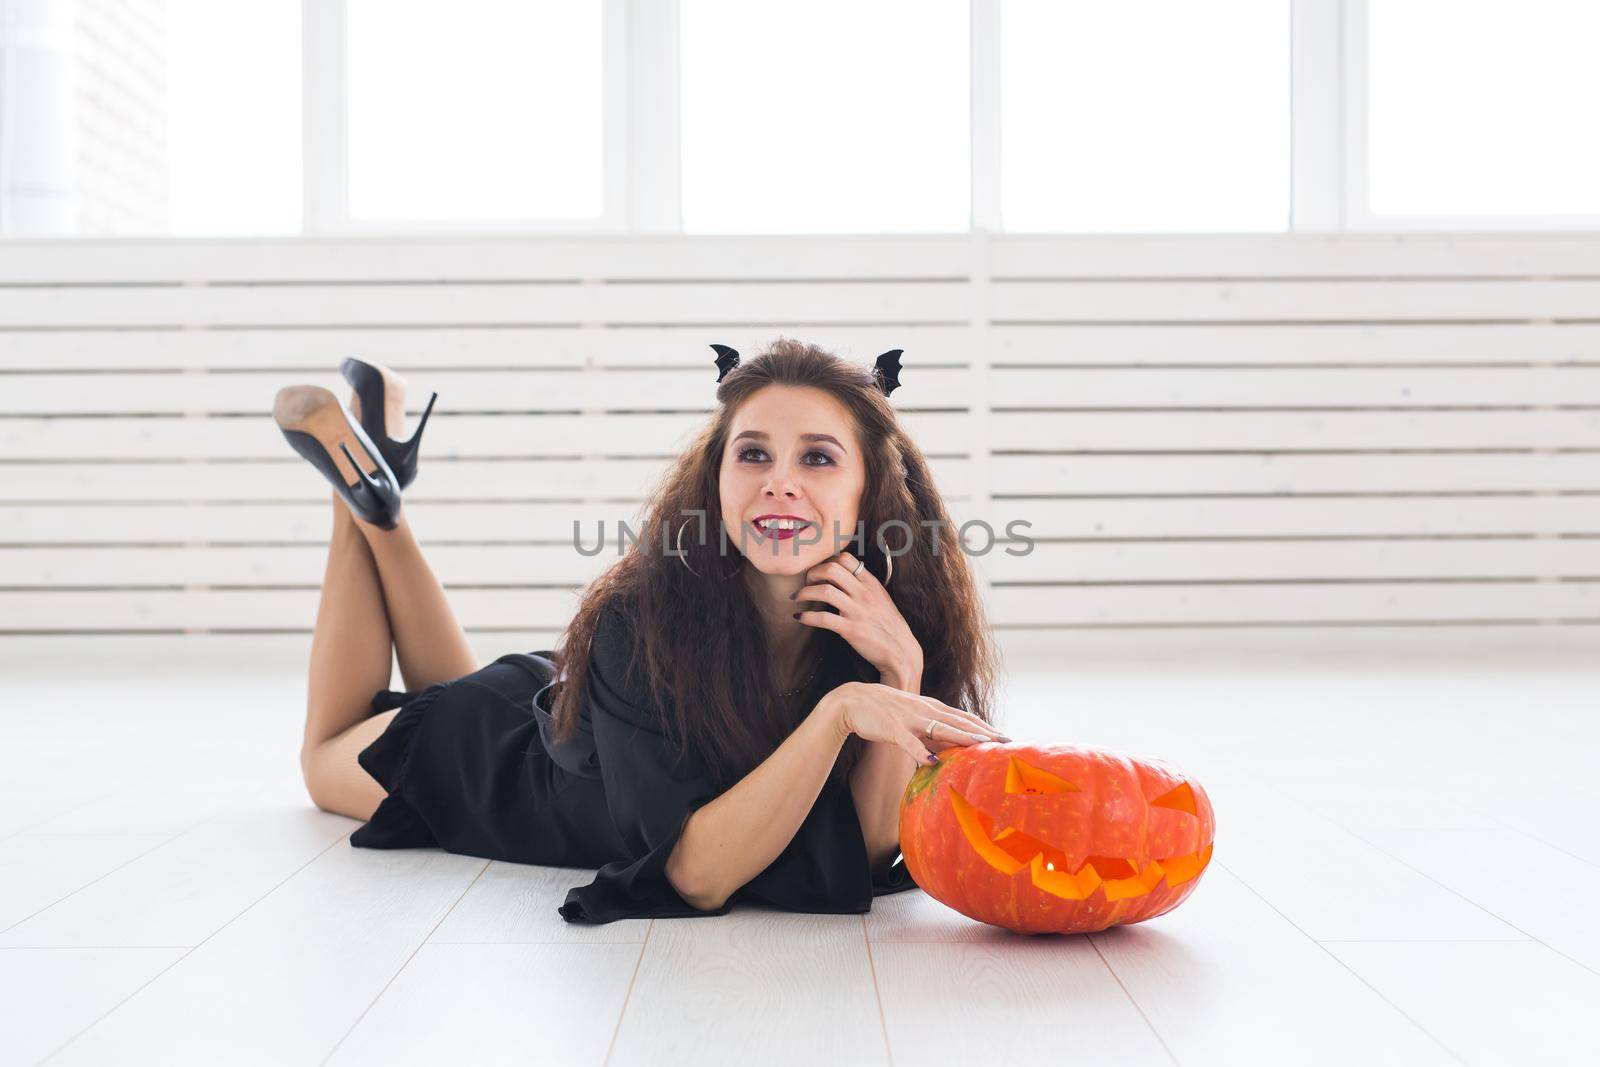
[[1407, 870]]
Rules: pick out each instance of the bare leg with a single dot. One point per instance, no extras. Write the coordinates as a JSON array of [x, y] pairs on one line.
[[429, 641], [350, 661]]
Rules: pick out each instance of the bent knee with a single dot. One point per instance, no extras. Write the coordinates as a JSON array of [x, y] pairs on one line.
[[337, 783]]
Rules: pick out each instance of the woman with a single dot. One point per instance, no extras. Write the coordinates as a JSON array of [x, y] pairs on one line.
[[751, 701]]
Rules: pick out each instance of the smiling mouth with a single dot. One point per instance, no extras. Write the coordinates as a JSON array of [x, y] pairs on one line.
[[779, 530]]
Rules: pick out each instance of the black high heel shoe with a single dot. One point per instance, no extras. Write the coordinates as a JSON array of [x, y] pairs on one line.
[[314, 422], [371, 382]]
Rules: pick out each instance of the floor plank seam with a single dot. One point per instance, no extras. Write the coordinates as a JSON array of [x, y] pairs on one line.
[[1117, 978], [192, 949], [1480, 907], [1356, 975], [627, 997], [404, 963], [92, 881], [877, 994]]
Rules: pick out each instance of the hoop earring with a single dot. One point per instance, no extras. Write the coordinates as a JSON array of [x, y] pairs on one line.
[[684, 559], [681, 557], [888, 561]]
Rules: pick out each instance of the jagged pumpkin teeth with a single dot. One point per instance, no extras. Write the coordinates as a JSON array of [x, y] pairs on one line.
[[1142, 834]]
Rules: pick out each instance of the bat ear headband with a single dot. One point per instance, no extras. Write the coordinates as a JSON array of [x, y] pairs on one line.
[[886, 369]]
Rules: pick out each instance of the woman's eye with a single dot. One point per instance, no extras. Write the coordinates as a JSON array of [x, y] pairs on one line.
[[814, 452]]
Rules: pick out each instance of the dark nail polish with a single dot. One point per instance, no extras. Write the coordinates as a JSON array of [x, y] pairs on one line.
[[932, 758], [793, 595], [797, 614]]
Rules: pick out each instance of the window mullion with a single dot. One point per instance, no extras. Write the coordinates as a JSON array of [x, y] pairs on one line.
[[984, 105], [1317, 119], [653, 171], [323, 127], [1355, 90]]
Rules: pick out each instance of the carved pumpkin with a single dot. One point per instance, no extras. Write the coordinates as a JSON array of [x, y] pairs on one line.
[[1054, 838]]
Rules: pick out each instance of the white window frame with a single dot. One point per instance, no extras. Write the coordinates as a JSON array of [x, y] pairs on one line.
[[642, 167], [1358, 216], [639, 46]]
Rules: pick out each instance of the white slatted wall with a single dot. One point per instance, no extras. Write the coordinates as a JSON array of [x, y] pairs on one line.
[[1263, 432]]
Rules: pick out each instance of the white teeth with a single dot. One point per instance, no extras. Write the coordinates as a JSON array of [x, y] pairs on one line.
[[780, 524]]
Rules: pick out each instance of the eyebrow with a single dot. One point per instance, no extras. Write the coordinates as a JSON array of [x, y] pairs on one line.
[[759, 436]]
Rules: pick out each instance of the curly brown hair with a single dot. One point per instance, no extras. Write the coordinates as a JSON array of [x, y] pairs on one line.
[[708, 679]]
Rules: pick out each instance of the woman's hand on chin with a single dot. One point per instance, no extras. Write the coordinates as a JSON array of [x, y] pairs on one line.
[[868, 618]]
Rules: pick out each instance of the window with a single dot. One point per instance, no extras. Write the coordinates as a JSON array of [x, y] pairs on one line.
[[1483, 109], [479, 110], [149, 119], [1145, 115], [825, 117]]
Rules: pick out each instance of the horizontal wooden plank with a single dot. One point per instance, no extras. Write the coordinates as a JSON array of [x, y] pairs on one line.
[[1292, 343], [558, 346], [442, 347], [514, 436], [1307, 255], [937, 433], [1358, 300], [690, 388], [61, 566], [679, 256], [1131, 475], [510, 303], [251, 609], [286, 565], [443, 479], [1008, 606], [1278, 431], [1351, 560], [552, 523], [643, 257], [439, 479], [1289, 516], [1291, 604], [799, 303], [1037, 388], [476, 523]]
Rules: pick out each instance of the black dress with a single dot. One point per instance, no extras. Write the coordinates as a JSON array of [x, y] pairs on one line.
[[469, 767]]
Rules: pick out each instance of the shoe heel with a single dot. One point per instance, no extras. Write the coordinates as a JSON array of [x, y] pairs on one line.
[[406, 454]]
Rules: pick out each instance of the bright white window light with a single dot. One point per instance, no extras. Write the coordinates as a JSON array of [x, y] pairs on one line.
[[1483, 108], [825, 117], [474, 110], [1145, 115], [233, 117]]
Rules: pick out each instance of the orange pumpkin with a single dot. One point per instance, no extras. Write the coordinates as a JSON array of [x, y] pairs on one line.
[[1054, 838]]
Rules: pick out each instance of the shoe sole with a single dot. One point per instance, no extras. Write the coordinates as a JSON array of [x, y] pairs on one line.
[[311, 409], [394, 419]]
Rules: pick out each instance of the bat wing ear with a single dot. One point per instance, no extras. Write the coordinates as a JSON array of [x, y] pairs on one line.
[[887, 370], [727, 359]]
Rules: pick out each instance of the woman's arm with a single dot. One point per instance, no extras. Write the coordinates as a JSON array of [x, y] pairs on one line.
[[735, 837], [878, 783]]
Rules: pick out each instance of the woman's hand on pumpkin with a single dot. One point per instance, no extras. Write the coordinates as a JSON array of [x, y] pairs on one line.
[[868, 618], [877, 712]]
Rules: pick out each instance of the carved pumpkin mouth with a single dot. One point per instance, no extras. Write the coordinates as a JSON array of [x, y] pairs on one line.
[[1010, 850]]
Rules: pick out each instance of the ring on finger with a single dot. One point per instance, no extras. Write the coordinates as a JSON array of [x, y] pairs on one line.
[[931, 724]]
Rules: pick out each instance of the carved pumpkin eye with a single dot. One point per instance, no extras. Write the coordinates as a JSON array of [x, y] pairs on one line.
[[1180, 798], [1022, 778]]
